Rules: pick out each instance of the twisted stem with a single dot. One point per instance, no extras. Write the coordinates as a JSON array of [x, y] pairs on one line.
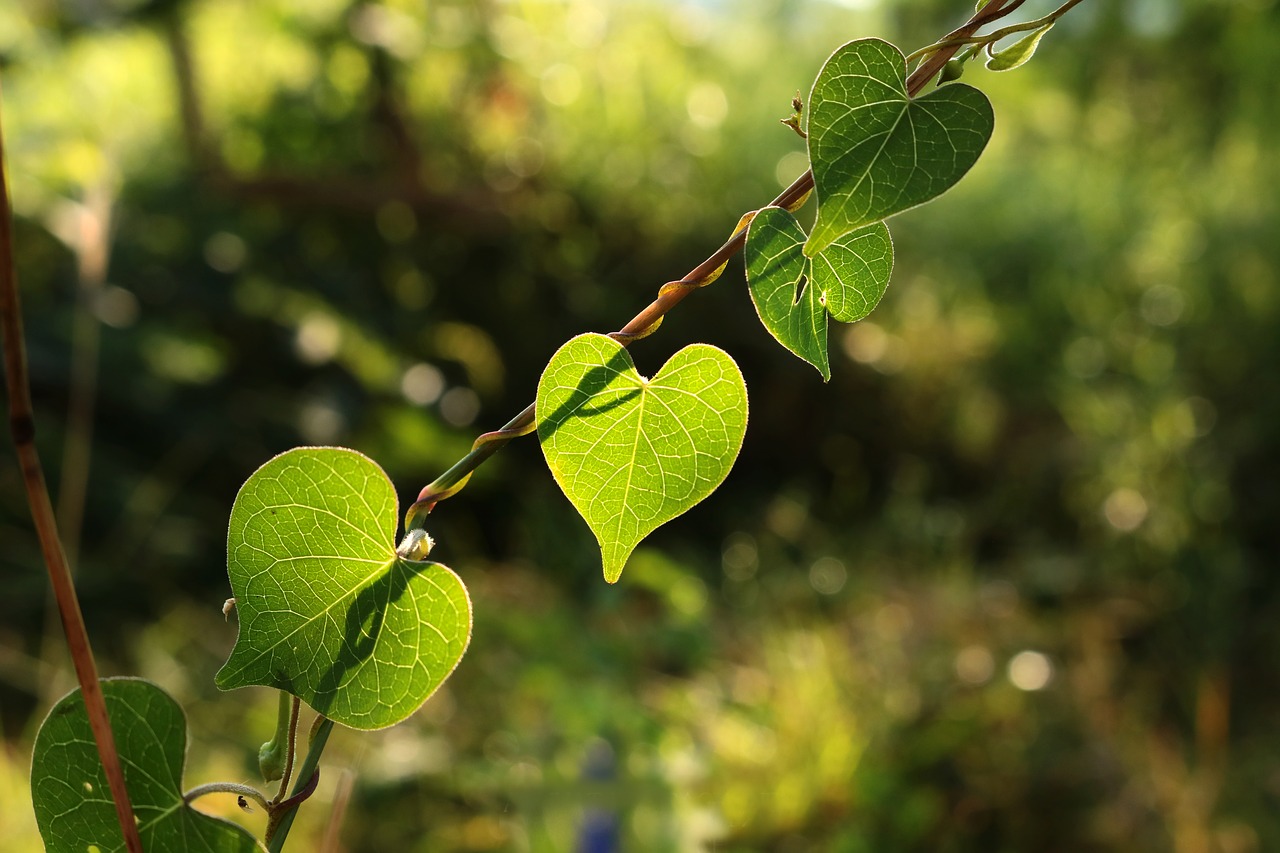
[[291, 749], [988, 40], [284, 812]]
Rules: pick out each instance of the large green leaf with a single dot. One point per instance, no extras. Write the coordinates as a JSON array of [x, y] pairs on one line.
[[874, 150], [633, 453], [328, 611], [793, 294], [73, 805]]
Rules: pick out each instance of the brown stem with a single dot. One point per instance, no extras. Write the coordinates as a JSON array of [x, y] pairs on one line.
[[22, 427], [673, 293], [993, 11]]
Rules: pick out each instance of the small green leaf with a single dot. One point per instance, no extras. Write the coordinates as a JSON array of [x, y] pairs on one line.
[[73, 804], [1019, 52], [874, 150], [793, 294], [632, 453], [778, 277], [328, 611], [853, 272]]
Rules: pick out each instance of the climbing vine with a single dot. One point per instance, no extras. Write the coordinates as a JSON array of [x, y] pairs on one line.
[[335, 612]]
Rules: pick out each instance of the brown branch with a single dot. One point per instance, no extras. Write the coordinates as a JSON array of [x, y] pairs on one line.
[[993, 11], [22, 427], [673, 293]]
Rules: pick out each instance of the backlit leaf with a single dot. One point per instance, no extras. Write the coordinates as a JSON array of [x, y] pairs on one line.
[[793, 294], [874, 150], [328, 611], [633, 453]]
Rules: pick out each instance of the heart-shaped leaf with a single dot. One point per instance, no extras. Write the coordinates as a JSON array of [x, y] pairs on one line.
[[793, 294], [633, 453], [73, 805], [328, 611], [874, 150]]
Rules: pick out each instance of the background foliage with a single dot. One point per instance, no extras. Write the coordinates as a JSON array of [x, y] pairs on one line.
[[1007, 583]]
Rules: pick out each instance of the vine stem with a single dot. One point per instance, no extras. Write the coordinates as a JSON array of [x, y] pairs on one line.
[[674, 292], [308, 774], [236, 788], [994, 36], [291, 749], [644, 323], [22, 428]]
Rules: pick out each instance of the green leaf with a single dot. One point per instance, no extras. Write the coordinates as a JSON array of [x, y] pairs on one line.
[[633, 453], [1019, 52], [328, 611], [777, 276], [874, 150], [73, 804], [793, 294]]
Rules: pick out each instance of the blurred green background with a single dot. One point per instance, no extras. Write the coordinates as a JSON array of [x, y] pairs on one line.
[[1007, 583]]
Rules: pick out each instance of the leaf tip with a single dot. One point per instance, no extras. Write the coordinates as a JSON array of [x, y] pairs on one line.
[[613, 571]]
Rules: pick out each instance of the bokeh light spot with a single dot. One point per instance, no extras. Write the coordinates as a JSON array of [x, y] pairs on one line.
[[707, 105], [225, 252], [739, 558], [116, 307], [1125, 509], [1030, 671], [561, 84], [459, 406], [422, 384], [790, 166], [828, 575], [318, 338], [975, 665]]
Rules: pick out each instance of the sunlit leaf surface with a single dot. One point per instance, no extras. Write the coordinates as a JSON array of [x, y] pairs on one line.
[[633, 453], [793, 294], [327, 610], [874, 150]]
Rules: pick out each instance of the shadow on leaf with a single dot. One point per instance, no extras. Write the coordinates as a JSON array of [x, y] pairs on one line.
[[593, 382], [365, 618]]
